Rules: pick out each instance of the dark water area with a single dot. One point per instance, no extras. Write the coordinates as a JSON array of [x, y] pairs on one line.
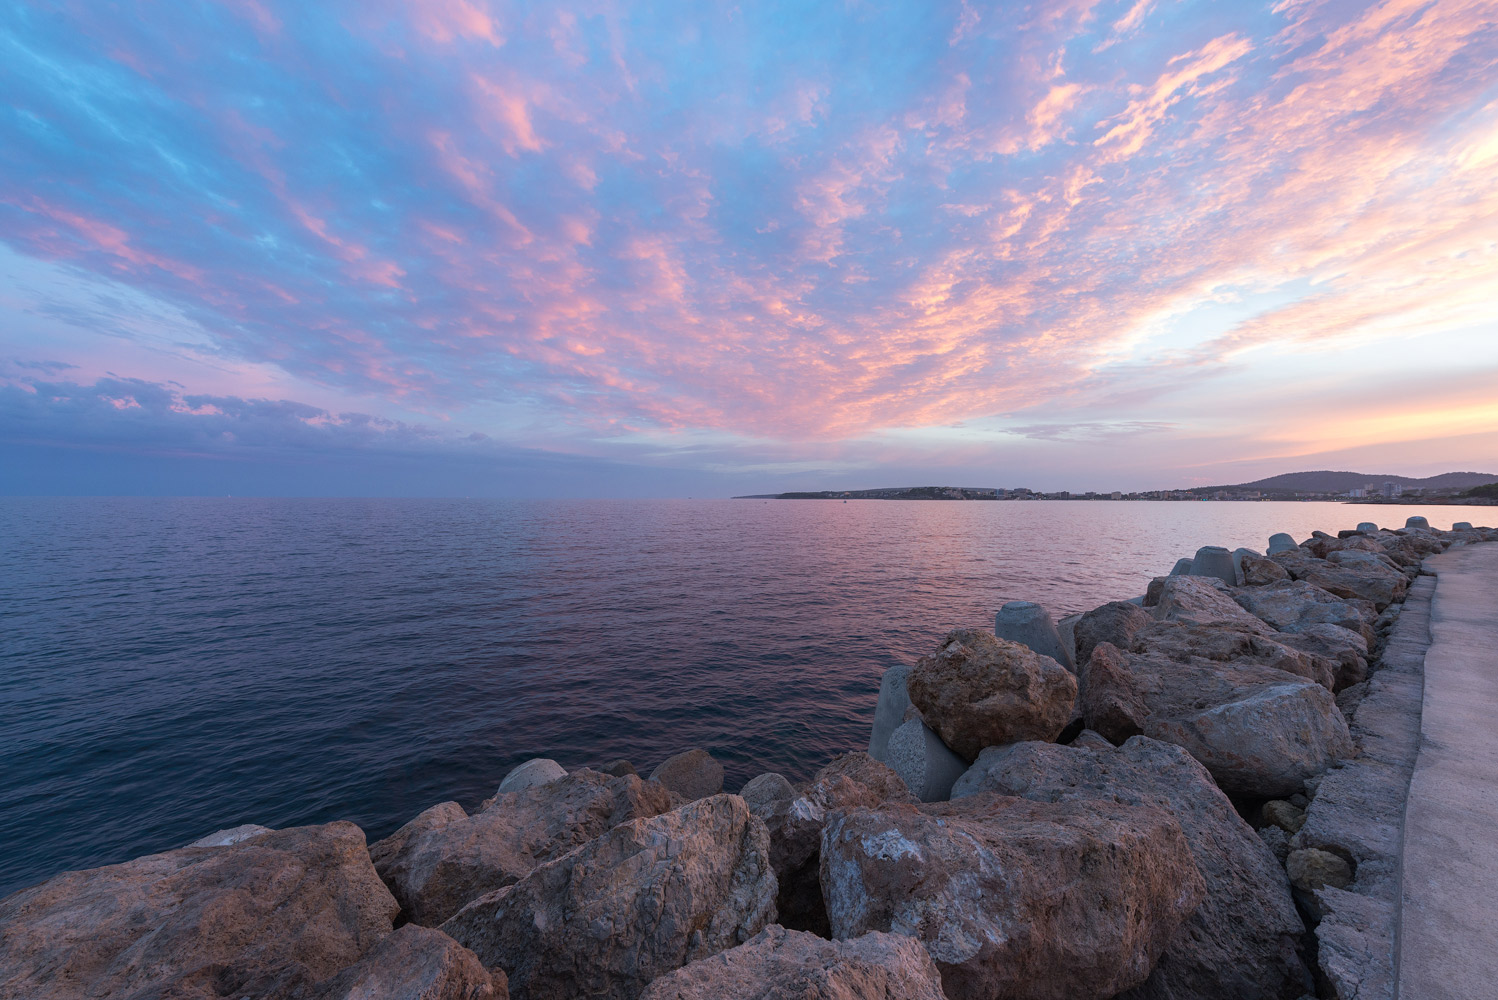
[[169, 667]]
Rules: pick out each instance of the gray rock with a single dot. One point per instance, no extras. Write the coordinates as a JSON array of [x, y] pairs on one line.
[[1277, 840], [926, 765], [537, 771], [640, 901], [1281, 542], [1345, 652], [1087, 739], [618, 768], [233, 835], [1295, 606], [416, 963], [1356, 944], [889, 713], [1215, 561], [1367, 528], [1311, 869], [1030, 625], [767, 793], [1015, 898], [780, 964], [692, 774], [1196, 600], [1242, 942]]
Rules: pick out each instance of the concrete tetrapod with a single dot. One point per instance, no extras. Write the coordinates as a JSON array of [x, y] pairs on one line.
[[537, 771], [1029, 624], [1215, 561], [1462, 526], [1416, 521], [1182, 567], [923, 761], [889, 712], [1367, 528], [1281, 542]]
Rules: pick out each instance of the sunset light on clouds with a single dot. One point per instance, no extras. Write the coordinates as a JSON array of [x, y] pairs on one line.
[[661, 248]]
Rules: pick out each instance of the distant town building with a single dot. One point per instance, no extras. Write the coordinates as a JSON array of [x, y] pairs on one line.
[[1392, 490]]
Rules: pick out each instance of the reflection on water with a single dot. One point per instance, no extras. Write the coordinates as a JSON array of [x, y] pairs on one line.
[[175, 666]]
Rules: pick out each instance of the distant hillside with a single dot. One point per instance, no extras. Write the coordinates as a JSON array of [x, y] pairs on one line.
[[1341, 482]]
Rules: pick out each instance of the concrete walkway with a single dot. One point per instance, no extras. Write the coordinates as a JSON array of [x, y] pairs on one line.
[[1448, 935]]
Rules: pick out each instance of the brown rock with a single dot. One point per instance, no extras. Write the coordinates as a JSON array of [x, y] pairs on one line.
[[979, 691], [643, 899], [1203, 600], [1343, 651], [1243, 941], [1116, 623], [767, 792], [444, 858], [1016, 899], [1297, 606], [618, 768], [1368, 581], [1285, 815], [1259, 571], [267, 917], [1111, 705], [795, 828], [1311, 869], [692, 774], [780, 964], [416, 963]]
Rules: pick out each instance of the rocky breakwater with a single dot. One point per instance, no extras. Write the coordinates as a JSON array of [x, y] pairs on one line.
[[1194, 794]]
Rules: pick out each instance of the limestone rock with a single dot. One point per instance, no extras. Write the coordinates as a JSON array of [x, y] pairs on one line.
[[889, 712], [780, 964], [1242, 942], [416, 963], [1116, 623], [692, 774], [269, 916], [1259, 571], [978, 690], [1195, 600], [1344, 651], [618, 768], [1297, 606], [795, 828], [537, 771], [1311, 869], [1368, 580], [233, 835], [444, 858], [923, 761], [1087, 739], [1013, 898], [643, 899], [1285, 815], [1030, 625], [1110, 703]]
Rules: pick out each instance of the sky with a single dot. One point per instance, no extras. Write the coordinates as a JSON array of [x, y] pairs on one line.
[[460, 247]]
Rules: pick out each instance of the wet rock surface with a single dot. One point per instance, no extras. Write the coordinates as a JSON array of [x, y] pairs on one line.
[[1015, 898]]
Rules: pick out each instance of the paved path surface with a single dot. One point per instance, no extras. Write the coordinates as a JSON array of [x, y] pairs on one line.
[[1448, 938]]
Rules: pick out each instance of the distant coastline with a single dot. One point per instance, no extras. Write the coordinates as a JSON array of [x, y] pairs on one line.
[[1462, 488]]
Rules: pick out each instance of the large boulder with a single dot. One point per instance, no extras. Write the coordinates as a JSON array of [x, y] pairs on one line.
[[1012, 898], [1243, 941], [1117, 623], [269, 916], [1258, 570], [692, 774], [416, 963], [1199, 600], [978, 690], [643, 899], [1227, 699], [1366, 579], [1295, 606], [795, 827], [780, 964], [1344, 651], [444, 858]]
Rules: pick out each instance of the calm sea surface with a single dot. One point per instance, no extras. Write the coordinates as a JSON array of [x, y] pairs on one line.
[[171, 667]]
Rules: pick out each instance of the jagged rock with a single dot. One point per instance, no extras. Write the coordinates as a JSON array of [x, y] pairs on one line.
[[537, 771], [889, 712], [1297, 606], [618, 768], [1087, 739], [978, 690], [1367, 580], [269, 916], [926, 765], [233, 835], [1260, 571], [1258, 729], [1013, 898], [692, 774], [795, 827], [767, 793], [643, 899], [1215, 561], [1030, 625], [1242, 942], [1195, 600], [416, 963], [1355, 945], [1277, 840], [1311, 869], [444, 858], [780, 964], [1344, 651]]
